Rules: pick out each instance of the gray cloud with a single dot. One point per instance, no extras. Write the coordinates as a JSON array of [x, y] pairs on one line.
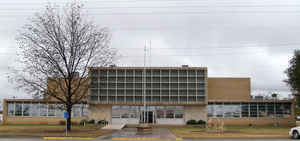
[[232, 38]]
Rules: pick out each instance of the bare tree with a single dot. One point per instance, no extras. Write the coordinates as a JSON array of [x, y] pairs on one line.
[[56, 49]]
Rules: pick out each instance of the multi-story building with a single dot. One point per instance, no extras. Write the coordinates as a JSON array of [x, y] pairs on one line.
[[162, 95], [158, 95]]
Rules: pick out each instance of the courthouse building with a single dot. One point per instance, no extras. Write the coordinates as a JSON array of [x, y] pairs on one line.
[[158, 95]]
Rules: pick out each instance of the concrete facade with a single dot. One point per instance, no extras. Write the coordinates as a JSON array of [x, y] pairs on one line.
[[100, 112], [195, 113]]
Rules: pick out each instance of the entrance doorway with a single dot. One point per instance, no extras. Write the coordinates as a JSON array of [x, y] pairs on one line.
[[149, 117]]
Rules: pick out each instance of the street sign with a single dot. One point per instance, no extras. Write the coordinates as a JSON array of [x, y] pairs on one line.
[[66, 115]]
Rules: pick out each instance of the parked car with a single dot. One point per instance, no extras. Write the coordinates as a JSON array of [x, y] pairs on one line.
[[297, 117], [294, 132]]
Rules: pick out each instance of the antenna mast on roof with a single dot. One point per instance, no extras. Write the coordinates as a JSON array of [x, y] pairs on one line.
[[150, 57]]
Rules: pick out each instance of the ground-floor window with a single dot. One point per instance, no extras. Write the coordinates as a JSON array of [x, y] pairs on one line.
[[44, 109], [234, 109], [150, 114]]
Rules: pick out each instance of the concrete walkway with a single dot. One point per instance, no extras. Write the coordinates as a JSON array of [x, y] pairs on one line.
[[114, 126], [131, 134]]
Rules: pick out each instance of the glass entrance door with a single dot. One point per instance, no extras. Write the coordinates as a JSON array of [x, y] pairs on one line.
[[148, 115]]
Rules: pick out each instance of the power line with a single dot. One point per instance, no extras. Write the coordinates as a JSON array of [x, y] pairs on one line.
[[178, 13], [139, 1], [174, 6], [220, 46]]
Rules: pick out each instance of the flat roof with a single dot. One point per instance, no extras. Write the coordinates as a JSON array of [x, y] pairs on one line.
[[34, 100], [209, 101], [166, 68], [252, 101]]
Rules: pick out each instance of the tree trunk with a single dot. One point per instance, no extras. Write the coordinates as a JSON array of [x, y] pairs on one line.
[[69, 110]]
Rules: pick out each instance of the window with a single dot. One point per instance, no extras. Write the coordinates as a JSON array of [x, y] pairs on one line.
[[76, 110], [35, 109], [245, 110], [43, 109], [170, 113], [112, 72], [59, 110], [115, 111], [125, 111], [112, 79], [210, 110], [84, 112], [138, 79], [192, 73], [165, 72], [120, 72], [94, 82], [11, 108], [174, 79], [165, 79], [93, 72], [219, 109], [138, 72], [270, 109], [51, 110], [174, 73], [262, 110], [129, 72], [160, 112], [182, 72], [179, 111], [232, 110], [103, 73], [253, 109], [26, 109], [18, 109]]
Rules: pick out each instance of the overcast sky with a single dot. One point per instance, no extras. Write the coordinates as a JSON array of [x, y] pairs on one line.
[[233, 38]]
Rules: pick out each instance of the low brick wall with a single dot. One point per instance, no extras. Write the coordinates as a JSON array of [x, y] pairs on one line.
[[38, 120]]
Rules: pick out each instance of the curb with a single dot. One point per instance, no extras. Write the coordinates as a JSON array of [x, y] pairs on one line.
[[68, 138], [141, 139]]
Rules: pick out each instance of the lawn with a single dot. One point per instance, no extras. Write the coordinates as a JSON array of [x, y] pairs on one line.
[[233, 132], [51, 131]]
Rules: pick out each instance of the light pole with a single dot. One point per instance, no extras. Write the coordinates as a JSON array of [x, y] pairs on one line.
[[144, 84]]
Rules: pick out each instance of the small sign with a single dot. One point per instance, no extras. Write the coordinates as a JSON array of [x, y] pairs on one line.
[[66, 115]]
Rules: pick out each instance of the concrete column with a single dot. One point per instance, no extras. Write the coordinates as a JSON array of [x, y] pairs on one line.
[[196, 112], [100, 112]]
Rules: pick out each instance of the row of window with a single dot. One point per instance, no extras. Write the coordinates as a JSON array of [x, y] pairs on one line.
[[39, 109], [148, 79], [105, 92], [249, 109], [148, 85], [124, 99], [160, 112], [139, 72]]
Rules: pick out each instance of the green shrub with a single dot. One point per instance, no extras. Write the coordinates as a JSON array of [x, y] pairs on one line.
[[191, 122], [62, 122], [74, 123], [201, 122], [82, 122], [92, 121], [102, 122]]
